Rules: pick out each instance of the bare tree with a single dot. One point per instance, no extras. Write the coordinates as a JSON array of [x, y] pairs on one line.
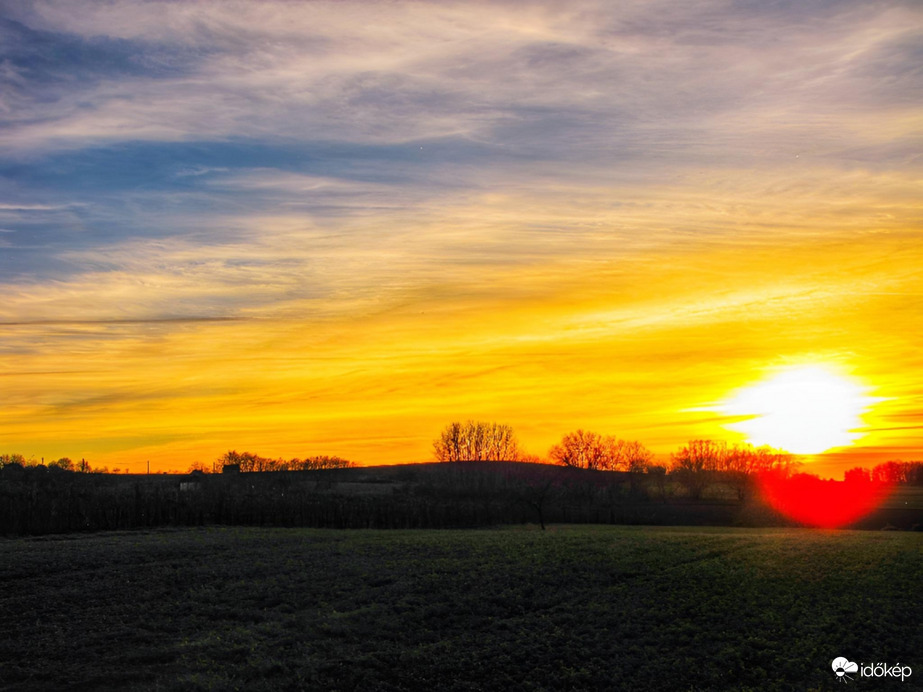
[[476, 441], [64, 463], [637, 458], [658, 477], [693, 463], [536, 487], [891, 472], [700, 461], [857, 475], [249, 462], [6, 459], [319, 463], [590, 450], [448, 446], [580, 449], [742, 463]]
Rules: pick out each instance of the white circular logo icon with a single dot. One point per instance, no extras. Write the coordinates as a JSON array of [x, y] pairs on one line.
[[841, 666]]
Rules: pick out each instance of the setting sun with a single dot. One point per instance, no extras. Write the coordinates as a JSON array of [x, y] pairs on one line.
[[804, 410]]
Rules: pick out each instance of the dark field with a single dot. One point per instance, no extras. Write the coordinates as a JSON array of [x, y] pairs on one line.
[[633, 608]]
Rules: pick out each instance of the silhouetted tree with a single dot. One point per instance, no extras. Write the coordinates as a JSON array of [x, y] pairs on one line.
[[657, 475], [915, 472], [693, 463], [245, 460], [580, 449], [637, 457], [64, 463], [201, 467], [476, 441], [250, 463], [589, 450], [892, 472], [535, 486], [857, 475], [637, 460], [739, 464], [12, 459], [316, 463]]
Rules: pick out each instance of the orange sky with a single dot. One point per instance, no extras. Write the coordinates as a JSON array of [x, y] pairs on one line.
[[311, 237]]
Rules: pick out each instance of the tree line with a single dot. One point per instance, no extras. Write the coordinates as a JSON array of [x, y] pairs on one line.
[[247, 462], [238, 461], [489, 441], [595, 480], [691, 465], [694, 466], [62, 464], [451, 495], [892, 472], [698, 462]]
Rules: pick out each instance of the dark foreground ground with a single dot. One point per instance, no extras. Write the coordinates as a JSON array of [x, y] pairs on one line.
[[572, 608]]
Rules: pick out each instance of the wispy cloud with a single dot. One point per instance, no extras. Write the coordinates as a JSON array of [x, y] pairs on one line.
[[33, 207]]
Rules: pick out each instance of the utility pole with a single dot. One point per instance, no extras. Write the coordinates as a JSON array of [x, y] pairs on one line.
[[148, 467]]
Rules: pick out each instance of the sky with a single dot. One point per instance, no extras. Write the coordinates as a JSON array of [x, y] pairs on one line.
[[335, 227]]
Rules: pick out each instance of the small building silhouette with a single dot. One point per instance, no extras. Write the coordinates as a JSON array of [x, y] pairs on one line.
[[13, 470], [191, 482], [230, 468]]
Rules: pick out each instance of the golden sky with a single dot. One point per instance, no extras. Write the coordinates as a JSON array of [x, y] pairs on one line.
[[332, 228]]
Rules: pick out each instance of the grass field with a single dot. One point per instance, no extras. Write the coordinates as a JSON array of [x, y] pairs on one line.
[[577, 608]]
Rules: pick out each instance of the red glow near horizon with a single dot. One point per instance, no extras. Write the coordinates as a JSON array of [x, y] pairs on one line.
[[822, 503]]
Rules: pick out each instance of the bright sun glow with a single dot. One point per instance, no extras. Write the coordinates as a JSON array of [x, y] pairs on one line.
[[804, 410]]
